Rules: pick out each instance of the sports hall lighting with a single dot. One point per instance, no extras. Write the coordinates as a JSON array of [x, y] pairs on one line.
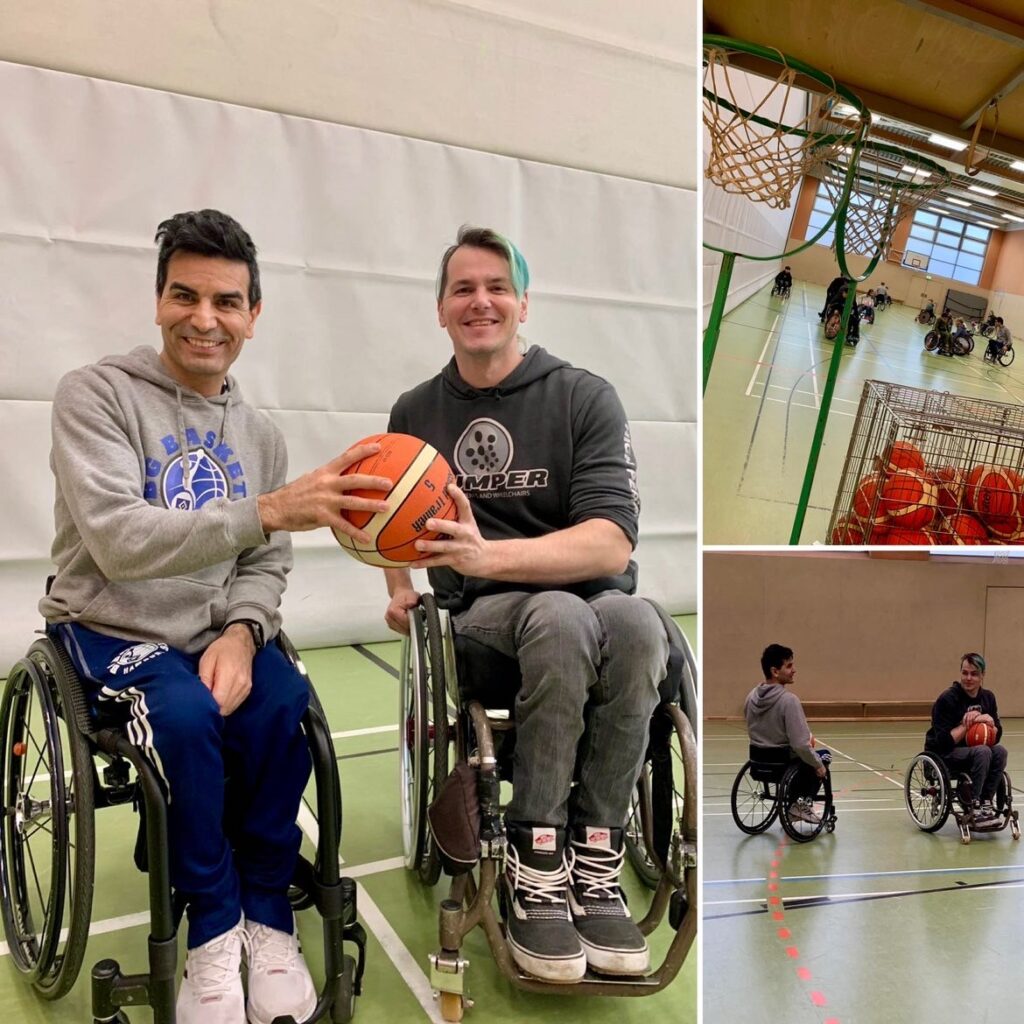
[[1010, 216], [944, 140], [955, 202], [910, 169], [986, 224], [1017, 165], [982, 191]]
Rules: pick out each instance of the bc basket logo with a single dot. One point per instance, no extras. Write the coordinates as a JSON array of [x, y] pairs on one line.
[[131, 657], [485, 447], [206, 482]]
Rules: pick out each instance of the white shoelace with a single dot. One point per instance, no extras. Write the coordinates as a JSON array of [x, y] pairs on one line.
[[597, 871], [541, 887], [214, 967], [271, 950]]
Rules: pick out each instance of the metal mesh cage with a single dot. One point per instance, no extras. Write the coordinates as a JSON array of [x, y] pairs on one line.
[[930, 467]]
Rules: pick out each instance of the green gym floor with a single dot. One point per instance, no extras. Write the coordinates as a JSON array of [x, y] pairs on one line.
[[762, 403], [877, 922], [359, 690]]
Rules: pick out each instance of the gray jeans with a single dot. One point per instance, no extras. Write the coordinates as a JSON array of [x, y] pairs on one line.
[[985, 766], [590, 684]]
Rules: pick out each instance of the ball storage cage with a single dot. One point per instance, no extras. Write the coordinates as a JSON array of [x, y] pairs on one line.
[[964, 450]]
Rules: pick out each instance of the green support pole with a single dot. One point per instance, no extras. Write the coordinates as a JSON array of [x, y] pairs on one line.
[[819, 430], [717, 309]]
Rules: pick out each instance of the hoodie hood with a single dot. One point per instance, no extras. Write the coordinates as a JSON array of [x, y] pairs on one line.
[[767, 695], [536, 364]]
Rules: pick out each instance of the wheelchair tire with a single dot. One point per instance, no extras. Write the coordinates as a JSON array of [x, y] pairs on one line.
[[430, 866], [754, 804], [1005, 358], [931, 341], [413, 743], [47, 786], [798, 829], [638, 845], [926, 792]]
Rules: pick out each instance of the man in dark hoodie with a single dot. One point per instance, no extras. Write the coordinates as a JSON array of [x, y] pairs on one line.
[[172, 546], [538, 567], [961, 705], [775, 718]]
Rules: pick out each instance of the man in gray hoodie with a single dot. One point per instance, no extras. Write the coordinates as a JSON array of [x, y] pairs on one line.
[[775, 718], [538, 567], [172, 545]]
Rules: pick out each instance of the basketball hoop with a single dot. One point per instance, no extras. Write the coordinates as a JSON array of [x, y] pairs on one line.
[[889, 184], [764, 152]]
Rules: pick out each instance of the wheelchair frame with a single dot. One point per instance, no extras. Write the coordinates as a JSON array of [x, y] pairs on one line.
[[931, 795], [63, 758], [761, 793], [428, 679]]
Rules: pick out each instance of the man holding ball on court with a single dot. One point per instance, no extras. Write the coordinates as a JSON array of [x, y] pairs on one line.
[[172, 547], [953, 736], [538, 567]]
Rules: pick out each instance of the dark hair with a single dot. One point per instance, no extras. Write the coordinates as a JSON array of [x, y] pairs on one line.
[[974, 659], [486, 238], [774, 656], [207, 233]]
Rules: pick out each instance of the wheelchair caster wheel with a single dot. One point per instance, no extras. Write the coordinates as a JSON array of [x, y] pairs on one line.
[[678, 905], [452, 1005], [119, 1018], [344, 1007]]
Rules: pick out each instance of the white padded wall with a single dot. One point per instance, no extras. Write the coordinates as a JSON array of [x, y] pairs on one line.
[[350, 224]]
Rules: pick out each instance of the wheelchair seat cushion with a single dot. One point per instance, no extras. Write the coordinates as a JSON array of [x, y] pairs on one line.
[[768, 763]]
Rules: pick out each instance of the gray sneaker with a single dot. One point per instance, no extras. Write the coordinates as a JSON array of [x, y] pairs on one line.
[[611, 940], [802, 809], [538, 926]]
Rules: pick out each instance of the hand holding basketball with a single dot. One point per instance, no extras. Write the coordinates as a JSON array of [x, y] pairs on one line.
[[462, 548], [981, 734], [317, 498]]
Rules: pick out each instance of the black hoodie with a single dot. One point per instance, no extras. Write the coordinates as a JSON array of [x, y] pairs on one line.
[[545, 449]]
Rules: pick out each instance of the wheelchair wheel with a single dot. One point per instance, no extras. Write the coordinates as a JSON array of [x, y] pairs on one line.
[[1005, 358], [926, 790], [754, 802], [638, 839], [424, 744], [931, 341], [47, 838], [803, 818]]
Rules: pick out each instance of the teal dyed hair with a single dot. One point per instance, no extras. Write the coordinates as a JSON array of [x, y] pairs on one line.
[[487, 238], [975, 659]]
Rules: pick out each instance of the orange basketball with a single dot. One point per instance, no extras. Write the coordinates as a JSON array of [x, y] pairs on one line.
[[992, 492], [903, 455], [865, 499], [848, 530], [949, 486], [965, 529], [981, 735], [902, 535], [419, 476], [908, 499], [1008, 529]]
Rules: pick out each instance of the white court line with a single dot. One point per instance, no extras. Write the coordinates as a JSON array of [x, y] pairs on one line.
[[363, 732], [851, 810], [110, 924], [760, 358], [836, 897], [814, 371], [868, 874], [866, 767], [801, 405]]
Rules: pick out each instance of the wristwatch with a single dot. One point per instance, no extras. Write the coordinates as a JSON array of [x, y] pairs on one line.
[[254, 627]]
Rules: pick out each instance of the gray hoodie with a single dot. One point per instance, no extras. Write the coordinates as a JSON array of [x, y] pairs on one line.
[[151, 546], [775, 718]]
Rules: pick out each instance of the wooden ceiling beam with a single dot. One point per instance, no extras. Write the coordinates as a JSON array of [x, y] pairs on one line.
[[991, 25]]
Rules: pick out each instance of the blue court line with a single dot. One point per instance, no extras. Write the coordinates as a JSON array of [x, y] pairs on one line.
[[862, 874]]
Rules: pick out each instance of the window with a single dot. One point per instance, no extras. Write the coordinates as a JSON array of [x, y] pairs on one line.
[[822, 210], [955, 249]]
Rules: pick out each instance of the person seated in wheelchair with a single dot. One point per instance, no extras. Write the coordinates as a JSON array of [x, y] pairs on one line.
[[963, 704], [882, 296], [783, 282], [943, 330], [836, 285], [866, 306], [962, 338], [540, 570], [172, 546], [1000, 341], [927, 314], [775, 718]]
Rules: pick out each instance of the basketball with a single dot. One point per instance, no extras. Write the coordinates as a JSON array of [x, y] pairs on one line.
[[992, 492], [965, 529], [848, 530], [903, 455], [1008, 529], [981, 735], [419, 476], [908, 499], [865, 499], [949, 488], [903, 535]]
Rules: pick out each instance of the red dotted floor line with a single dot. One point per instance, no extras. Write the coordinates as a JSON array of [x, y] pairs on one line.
[[775, 908]]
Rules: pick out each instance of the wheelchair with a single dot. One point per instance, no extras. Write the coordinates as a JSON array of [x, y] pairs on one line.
[[1004, 357], [765, 788], [926, 316], [783, 292], [50, 789], [439, 710], [931, 795]]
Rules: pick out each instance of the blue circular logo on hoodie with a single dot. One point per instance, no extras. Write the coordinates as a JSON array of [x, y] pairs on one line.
[[206, 482]]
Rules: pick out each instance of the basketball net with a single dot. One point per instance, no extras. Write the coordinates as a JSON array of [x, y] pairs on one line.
[[749, 152], [889, 184]]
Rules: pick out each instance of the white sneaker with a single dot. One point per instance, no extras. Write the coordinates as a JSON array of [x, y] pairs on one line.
[[279, 980], [211, 991], [803, 810]]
